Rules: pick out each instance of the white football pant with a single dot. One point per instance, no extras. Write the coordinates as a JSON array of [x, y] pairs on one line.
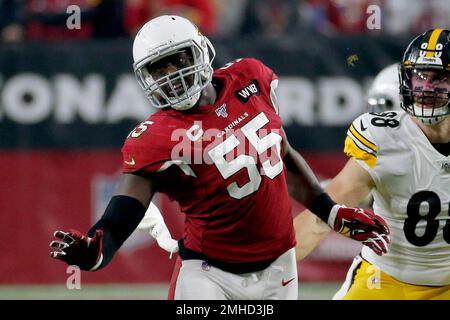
[[198, 280]]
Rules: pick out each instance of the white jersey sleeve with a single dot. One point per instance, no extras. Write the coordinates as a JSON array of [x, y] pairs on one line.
[[367, 138], [411, 193]]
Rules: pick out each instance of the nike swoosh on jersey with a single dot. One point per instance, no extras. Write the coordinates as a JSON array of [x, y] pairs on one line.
[[130, 163], [285, 283], [362, 126]]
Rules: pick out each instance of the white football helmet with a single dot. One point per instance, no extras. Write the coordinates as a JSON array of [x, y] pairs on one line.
[[384, 93], [180, 42]]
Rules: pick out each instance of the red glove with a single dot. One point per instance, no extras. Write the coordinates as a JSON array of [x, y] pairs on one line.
[[361, 225], [78, 249]]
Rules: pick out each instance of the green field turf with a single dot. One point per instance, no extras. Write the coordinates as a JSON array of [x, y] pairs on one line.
[[307, 291]]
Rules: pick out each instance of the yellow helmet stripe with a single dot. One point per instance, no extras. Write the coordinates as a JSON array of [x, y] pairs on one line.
[[431, 46]]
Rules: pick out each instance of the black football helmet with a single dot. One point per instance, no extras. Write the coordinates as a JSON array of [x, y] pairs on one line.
[[429, 53]]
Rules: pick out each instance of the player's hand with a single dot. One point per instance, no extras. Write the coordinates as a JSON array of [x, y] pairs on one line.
[[164, 238], [78, 249], [361, 225], [154, 223]]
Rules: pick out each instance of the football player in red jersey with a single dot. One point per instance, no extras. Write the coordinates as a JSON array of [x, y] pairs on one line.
[[216, 147]]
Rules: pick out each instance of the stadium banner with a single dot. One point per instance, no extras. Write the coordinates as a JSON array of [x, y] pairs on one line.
[[66, 108], [84, 94]]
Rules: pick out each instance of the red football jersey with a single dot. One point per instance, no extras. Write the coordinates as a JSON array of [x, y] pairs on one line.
[[222, 164]]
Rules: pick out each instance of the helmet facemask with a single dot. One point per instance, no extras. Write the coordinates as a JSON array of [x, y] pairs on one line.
[[178, 86], [426, 94]]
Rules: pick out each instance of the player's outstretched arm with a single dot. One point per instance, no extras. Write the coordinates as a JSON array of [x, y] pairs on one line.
[[310, 230], [95, 249], [359, 224], [349, 187]]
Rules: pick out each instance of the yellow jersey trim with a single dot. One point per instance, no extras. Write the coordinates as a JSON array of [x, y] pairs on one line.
[[372, 146], [352, 150]]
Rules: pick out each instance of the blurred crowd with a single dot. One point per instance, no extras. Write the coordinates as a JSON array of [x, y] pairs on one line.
[[46, 19]]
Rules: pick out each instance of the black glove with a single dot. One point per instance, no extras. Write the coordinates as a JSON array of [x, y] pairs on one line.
[[78, 249]]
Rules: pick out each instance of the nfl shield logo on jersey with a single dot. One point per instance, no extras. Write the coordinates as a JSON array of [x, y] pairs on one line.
[[222, 111], [446, 166]]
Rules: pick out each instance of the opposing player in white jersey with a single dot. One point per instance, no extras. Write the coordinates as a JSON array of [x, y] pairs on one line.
[[382, 95], [403, 158]]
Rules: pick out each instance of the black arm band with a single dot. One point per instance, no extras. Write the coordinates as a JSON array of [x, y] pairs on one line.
[[321, 206], [121, 218]]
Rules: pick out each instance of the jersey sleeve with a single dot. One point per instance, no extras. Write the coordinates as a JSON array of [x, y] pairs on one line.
[[264, 72], [269, 83], [266, 77], [146, 148], [360, 143]]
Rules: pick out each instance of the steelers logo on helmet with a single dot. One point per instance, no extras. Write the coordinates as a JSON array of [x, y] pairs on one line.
[[425, 77], [172, 62]]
